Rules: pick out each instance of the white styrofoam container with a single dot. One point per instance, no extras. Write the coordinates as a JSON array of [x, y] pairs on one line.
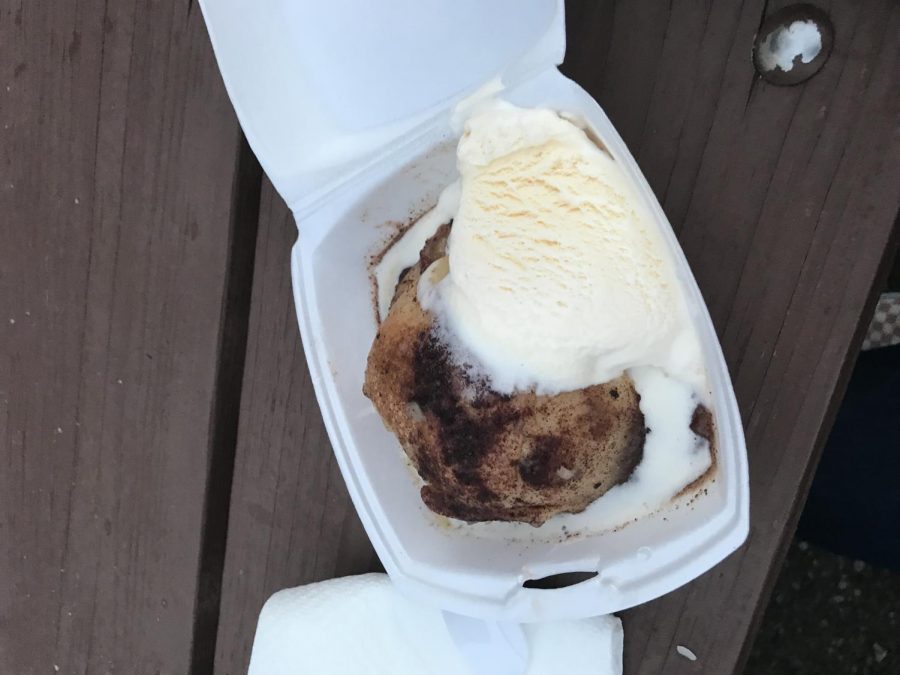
[[347, 104]]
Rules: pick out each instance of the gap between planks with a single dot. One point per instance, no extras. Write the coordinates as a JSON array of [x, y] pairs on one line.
[[225, 414]]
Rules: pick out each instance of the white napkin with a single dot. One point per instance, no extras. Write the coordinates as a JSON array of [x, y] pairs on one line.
[[363, 625]]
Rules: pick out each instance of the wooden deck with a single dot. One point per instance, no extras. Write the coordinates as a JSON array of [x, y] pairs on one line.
[[163, 464]]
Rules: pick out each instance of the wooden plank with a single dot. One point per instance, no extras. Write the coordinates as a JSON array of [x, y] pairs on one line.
[[784, 200], [118, 164]]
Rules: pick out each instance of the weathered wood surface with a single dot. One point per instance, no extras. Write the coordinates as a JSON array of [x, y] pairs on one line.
[[117, 173], [784, 200]]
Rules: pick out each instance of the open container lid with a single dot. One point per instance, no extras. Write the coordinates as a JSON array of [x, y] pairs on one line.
[[324, 89]]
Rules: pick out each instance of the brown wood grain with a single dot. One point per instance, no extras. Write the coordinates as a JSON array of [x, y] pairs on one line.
[[784, 200], [116, 184]]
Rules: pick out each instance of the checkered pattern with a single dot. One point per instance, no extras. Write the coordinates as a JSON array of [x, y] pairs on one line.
[[884, 330]]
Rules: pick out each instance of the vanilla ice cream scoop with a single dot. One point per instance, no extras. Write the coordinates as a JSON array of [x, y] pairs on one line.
[[558, 276]]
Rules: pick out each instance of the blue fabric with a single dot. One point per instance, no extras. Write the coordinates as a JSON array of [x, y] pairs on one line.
[[854, 503]]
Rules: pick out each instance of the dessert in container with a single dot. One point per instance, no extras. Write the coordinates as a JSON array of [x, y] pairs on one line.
[[350, 107]]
